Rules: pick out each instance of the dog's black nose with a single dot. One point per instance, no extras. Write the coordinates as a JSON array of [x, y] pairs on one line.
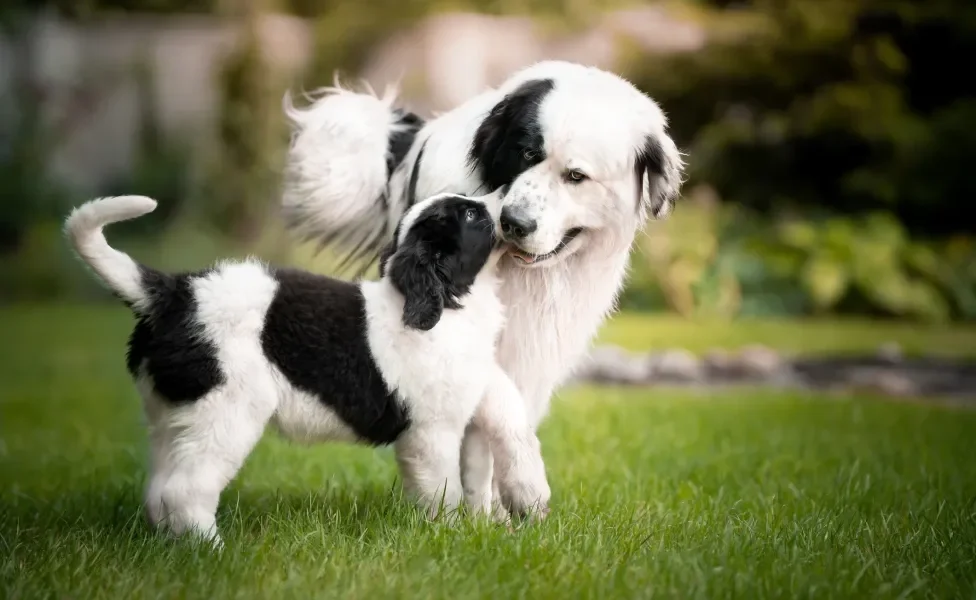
[[515, 224]]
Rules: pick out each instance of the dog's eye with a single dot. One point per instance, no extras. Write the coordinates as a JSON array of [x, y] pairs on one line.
[[529, 154], [470, 215], [575, 175]]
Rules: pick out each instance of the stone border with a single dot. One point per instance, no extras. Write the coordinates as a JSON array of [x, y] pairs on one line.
[[887, 372]]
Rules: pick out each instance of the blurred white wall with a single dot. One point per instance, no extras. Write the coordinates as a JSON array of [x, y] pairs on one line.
[[87, 71], [446, 59]]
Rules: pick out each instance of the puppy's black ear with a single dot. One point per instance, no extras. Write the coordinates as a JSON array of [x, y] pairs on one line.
[[414, 274], [385, 256], [659, 171]]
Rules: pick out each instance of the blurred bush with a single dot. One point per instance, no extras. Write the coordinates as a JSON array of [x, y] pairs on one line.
[[726, 260], [241, 185], [843, 107], [839, 142]]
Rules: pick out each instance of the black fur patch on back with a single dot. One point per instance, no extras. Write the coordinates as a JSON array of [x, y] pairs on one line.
[[398, 146], [315, 333], [167, 339], [414, 173], [509, 141], [399, 142]]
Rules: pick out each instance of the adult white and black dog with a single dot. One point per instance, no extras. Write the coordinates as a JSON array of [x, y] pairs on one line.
[[581, 158], [405, 360]]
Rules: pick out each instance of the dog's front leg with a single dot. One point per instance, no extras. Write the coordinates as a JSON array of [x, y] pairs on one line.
[[480, 488], [519, 468]]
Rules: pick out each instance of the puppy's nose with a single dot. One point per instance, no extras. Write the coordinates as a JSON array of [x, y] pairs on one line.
[[515, 224]]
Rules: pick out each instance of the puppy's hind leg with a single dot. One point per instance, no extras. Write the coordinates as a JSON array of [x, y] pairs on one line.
[[429, 460], [197, 449]]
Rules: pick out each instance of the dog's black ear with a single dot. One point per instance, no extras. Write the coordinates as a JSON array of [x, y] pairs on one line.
[[659, 170], [415, 275]]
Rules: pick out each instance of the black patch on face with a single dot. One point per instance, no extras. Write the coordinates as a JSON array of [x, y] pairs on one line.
[[167, 338], [315, 334], [509, 141], [414, 173], [440, 257], [399, 142]]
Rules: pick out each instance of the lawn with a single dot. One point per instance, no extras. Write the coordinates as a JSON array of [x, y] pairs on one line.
[[834, 336], [661, 493]]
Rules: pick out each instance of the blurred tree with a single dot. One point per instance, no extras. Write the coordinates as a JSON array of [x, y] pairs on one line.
[[162, 165], [842, 106], [250, 137], [23, 195]]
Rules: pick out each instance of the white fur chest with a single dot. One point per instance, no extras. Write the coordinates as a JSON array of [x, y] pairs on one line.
[[552, 315], [438, 372]]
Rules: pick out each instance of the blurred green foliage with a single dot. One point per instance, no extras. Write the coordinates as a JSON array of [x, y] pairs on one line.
[[724, 260], [242, 185], [838, 139], [847, 107]]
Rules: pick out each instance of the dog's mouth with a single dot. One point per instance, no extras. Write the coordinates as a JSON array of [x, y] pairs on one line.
[[531, 259]]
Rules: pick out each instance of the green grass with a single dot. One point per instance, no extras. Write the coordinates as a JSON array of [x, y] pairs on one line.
[[656, 493], [831, 336]]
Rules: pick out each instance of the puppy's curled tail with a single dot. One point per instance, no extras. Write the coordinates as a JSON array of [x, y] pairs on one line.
[[118, 270]]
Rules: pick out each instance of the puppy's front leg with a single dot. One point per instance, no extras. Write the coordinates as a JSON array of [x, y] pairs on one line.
[[429, 460], [520, 470]]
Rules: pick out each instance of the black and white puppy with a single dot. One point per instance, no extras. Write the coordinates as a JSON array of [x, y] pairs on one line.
[[404, 360]]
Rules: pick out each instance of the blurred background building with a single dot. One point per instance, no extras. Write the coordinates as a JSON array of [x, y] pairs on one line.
[[829, 143]]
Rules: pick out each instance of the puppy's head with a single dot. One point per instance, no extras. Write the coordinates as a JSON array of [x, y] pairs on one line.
[[438, 249], [582, 157]]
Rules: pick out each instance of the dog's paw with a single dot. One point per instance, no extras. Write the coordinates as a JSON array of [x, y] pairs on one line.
[[525, 491], [499, 512]]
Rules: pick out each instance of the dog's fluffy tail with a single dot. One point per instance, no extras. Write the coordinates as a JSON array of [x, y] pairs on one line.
[[344, 148], [118, 270]]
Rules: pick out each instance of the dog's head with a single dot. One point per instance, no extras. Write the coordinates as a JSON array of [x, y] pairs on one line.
[[439, 247], [577, 152]]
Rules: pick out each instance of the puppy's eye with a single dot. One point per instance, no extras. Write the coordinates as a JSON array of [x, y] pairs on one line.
[[575, 175], [470, 215], [529, 154]]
